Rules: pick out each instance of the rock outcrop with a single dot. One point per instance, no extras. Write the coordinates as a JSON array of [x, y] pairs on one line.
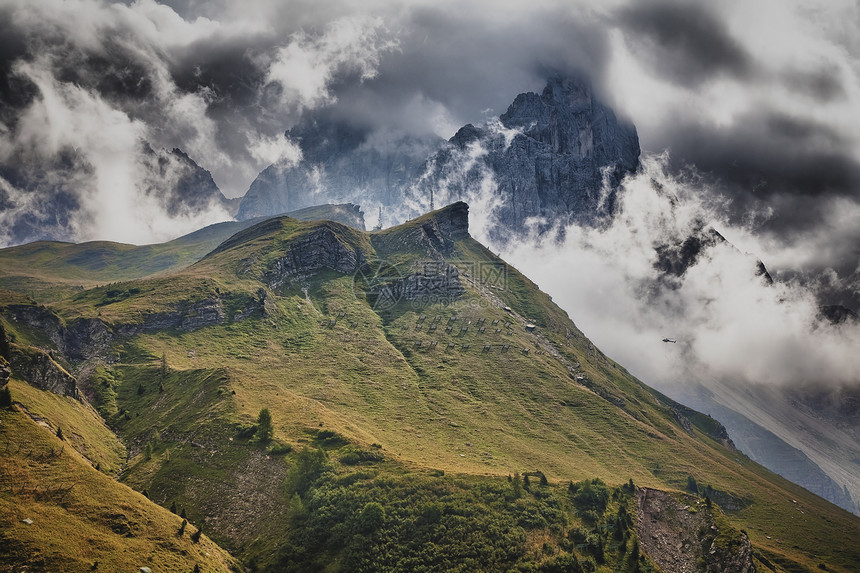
[[436, 233], [318, 249], [39, 369], [5, 372], [86, 338], [685, 535]]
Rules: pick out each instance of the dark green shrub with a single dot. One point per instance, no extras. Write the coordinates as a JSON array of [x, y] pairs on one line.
[[692, 486], [591, 496], [265, 429], [5, 397], [372, 517]]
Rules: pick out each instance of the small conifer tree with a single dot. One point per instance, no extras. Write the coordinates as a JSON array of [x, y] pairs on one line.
[[5, 397], [692, 486], [60, 432], [163, 370], [265, 430]]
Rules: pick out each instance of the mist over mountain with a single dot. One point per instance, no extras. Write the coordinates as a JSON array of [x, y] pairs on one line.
[[339, 163], [554, 158], [43, 202]]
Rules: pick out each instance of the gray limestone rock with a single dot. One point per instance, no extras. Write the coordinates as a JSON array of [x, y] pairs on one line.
[[319, 249], [560, 155], [37, 368]]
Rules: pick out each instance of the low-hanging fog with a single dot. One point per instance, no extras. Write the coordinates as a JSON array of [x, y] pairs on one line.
[[729, 322]]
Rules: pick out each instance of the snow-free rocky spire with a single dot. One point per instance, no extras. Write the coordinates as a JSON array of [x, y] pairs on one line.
[[562, 161]]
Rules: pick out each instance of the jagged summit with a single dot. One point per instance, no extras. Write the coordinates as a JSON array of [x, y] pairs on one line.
[[562, 159], [563, 156]]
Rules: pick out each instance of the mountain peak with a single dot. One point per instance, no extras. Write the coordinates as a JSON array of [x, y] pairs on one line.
[[453, 220]]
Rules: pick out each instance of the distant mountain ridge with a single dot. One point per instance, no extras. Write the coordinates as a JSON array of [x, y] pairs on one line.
[[559, 155], [46, 269]]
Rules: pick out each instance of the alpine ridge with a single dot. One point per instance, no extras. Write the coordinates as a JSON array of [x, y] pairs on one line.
[[429, 405]]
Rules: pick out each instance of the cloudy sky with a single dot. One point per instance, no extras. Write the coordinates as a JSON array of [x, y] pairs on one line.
[[756, 101]]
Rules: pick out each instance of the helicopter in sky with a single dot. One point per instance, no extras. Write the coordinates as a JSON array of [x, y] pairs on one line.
[[672, 340]]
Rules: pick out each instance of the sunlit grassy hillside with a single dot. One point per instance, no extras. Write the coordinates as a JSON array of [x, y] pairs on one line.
[[414, 352]]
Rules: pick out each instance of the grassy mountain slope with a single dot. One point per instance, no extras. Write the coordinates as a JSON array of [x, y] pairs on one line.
[[57, 513], [398, 355], [49, 270]]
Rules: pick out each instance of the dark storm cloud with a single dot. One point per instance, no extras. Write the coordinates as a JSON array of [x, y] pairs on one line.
[[770, 153], [759, 104], [430, 68], [823, 85], [686, 43]]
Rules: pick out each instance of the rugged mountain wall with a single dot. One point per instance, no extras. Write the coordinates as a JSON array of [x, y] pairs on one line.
[[559, 155], [39, 369]]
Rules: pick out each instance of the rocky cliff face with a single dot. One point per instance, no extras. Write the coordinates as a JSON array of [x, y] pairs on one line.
[[40, 370], [85, 338], [559, 155], [319, 249], [686, 536], [436, 233]]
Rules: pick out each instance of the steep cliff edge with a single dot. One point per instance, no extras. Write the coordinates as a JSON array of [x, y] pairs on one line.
[[685, 534]]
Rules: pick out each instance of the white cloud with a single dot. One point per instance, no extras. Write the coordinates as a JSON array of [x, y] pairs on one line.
[[274, 150], [306, 66], [112, 201], [728, 322]]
